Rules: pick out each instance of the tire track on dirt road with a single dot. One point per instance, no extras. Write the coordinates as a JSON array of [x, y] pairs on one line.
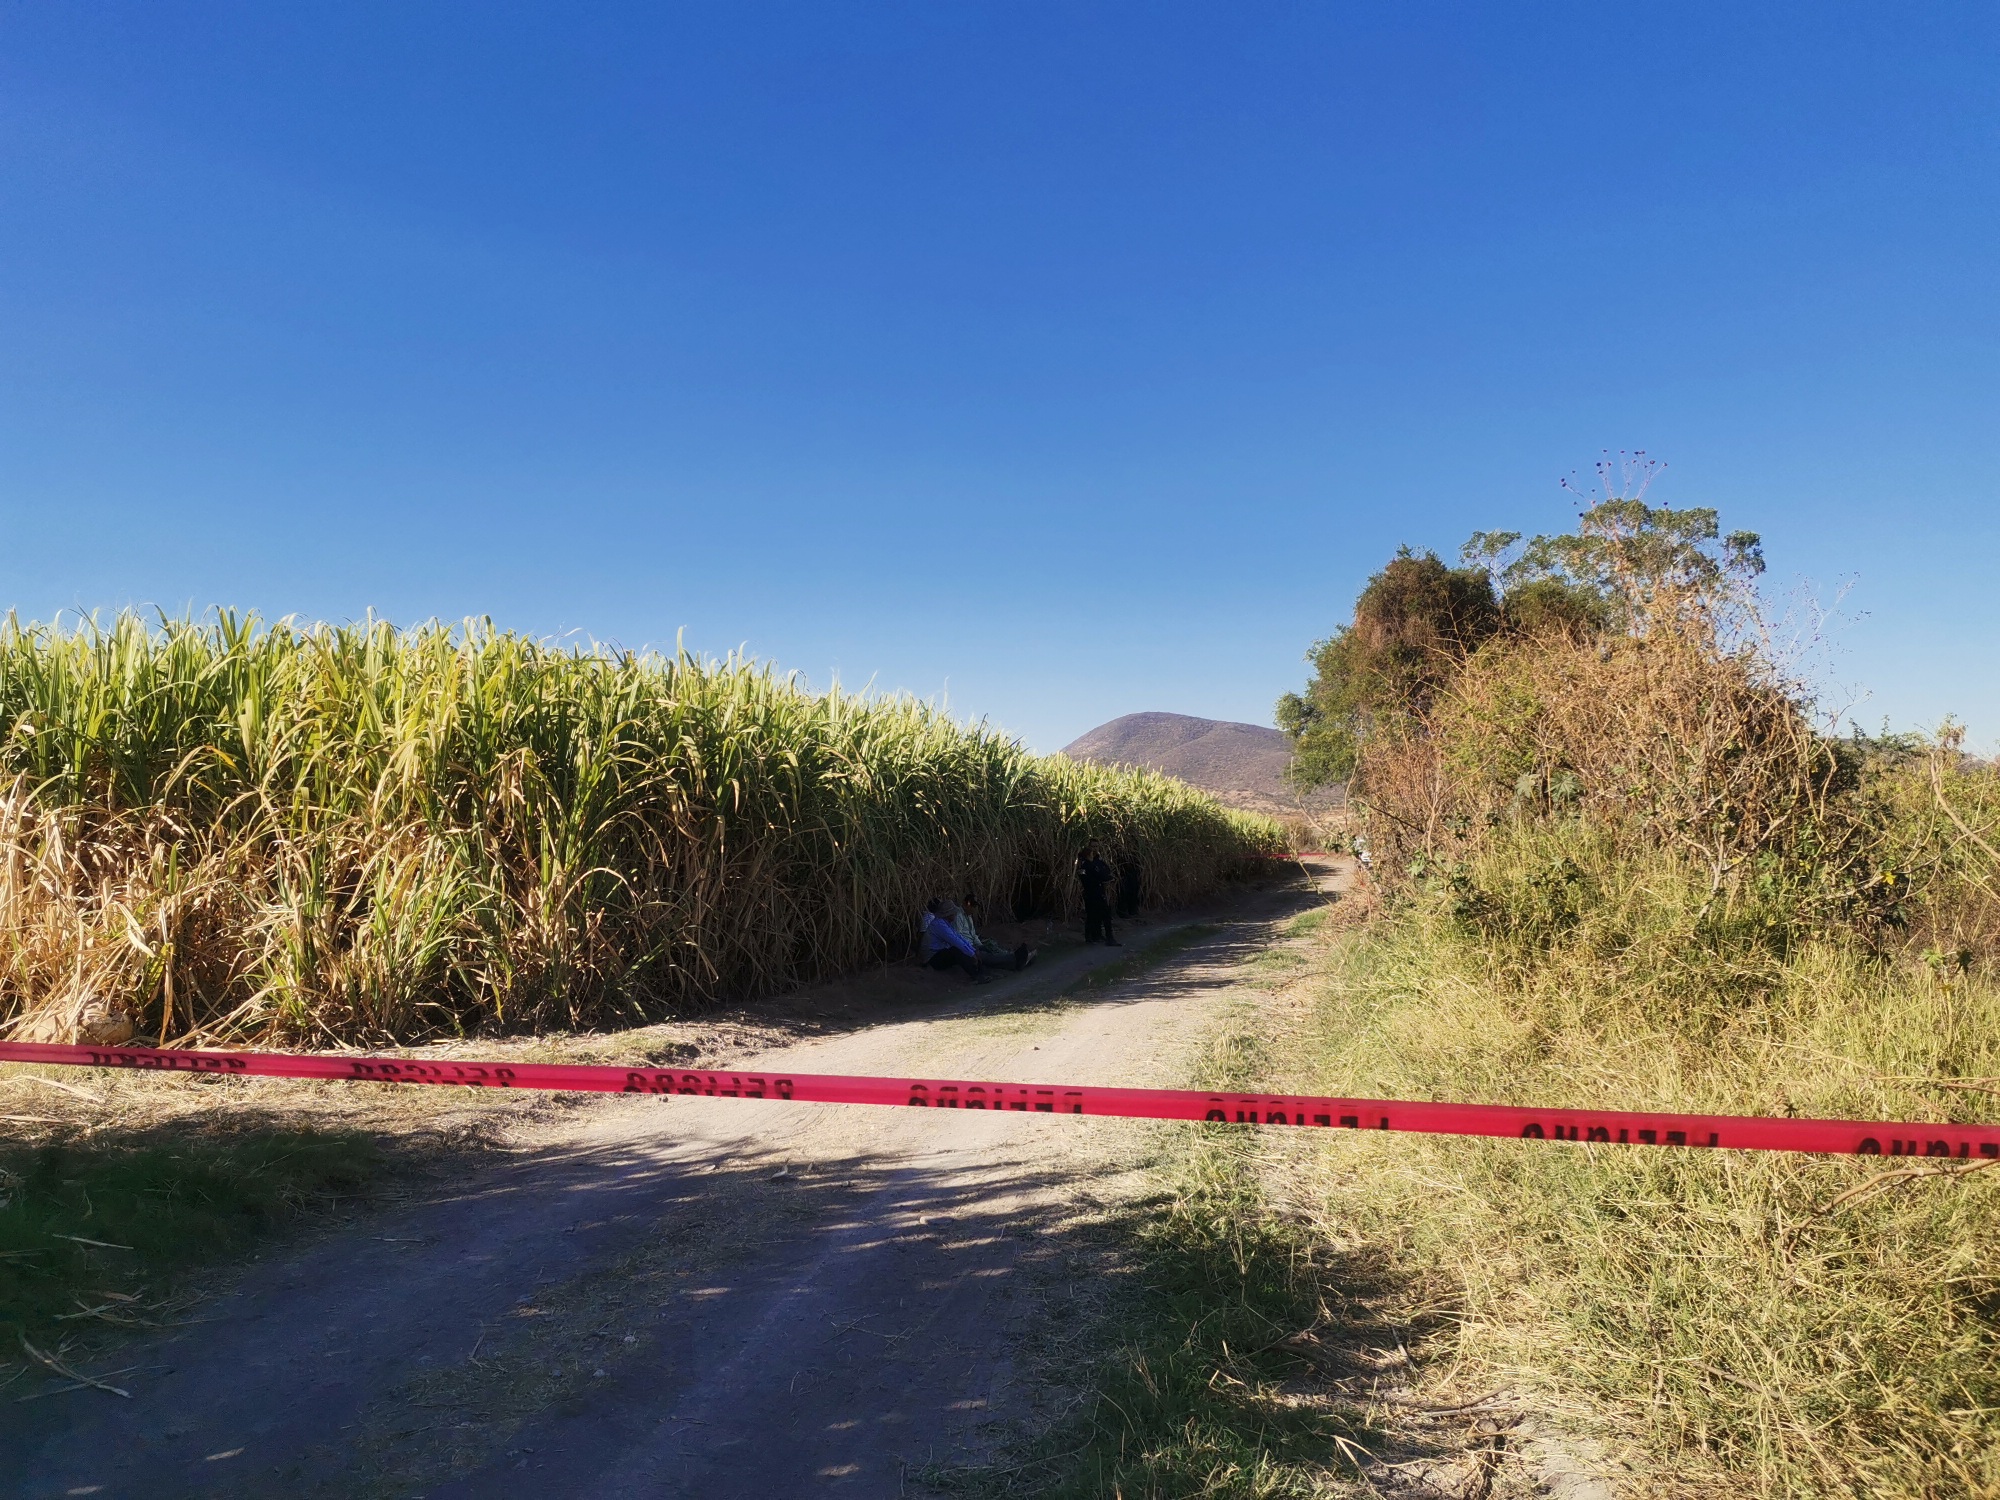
[[682, 1295]]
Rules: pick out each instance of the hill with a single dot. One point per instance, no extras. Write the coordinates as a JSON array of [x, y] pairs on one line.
[[1240, 765]]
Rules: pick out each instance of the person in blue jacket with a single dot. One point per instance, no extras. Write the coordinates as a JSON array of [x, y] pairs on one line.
[[945, 947]]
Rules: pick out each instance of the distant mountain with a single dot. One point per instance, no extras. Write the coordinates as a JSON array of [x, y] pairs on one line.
[[1240, 765]]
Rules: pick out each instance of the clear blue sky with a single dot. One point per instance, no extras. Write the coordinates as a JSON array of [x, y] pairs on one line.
[[1066, 359]]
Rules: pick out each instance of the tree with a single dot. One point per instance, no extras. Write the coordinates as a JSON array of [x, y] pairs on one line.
[[1628, 569], [1628, 566], [1414, 625]]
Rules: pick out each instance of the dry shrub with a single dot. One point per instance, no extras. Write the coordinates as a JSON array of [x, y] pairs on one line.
[[1934, 813], [1631, 874], [1683, 745], [1626, 871], [105, 920]]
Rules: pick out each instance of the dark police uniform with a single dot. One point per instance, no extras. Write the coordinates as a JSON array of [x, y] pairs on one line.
[[1096, 877]]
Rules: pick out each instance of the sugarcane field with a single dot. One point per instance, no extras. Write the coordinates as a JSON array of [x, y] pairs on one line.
[[929, 753]]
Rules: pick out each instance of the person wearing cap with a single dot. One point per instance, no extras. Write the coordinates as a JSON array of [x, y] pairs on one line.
[[945, 948], [1095, 876]]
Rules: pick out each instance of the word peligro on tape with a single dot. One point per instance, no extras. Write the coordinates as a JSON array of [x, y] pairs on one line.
[[1604, 1126]]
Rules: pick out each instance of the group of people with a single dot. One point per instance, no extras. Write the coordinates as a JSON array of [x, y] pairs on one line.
[[950, 929], [951, 940]]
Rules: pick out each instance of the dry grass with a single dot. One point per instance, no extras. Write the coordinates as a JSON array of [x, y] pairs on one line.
[[1742, 1324], [1623, 870], [1666, 735], [225, 830]]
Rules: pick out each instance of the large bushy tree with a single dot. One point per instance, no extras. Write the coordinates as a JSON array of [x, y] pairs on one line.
[[1414, 625], [1627, 567], [1626, 563]]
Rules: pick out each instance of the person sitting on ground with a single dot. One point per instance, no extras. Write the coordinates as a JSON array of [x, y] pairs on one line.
[[944, 948], [992, 952]]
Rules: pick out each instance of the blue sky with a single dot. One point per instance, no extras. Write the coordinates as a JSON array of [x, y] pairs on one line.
[[1059, 360]]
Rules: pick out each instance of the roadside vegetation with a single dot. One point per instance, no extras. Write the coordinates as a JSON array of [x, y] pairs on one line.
[[1619, 863], [97, 1230], [1194, 1400], [226, 830], [1194, 1292]]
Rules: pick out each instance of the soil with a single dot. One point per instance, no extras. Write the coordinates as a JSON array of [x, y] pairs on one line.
[[608, 1296], [613, 1295]]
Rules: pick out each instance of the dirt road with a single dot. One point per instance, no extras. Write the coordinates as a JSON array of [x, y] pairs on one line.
[[676, 1296]]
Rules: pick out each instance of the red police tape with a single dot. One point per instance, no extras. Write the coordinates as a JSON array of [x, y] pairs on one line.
[[1612, 1127]]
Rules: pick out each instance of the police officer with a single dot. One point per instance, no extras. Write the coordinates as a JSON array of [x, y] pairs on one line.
[[1095, 876]]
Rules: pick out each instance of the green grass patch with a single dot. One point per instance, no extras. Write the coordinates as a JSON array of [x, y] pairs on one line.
[[1733, 1320], [1306, 923], [111, 1222], [1196, 1394], [1191, 1403], [1191, 1400], [1276, 965]]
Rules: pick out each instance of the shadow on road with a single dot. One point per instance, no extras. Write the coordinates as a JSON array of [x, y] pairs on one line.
[[618, 1320], [685, 1310], [1066, 969]]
